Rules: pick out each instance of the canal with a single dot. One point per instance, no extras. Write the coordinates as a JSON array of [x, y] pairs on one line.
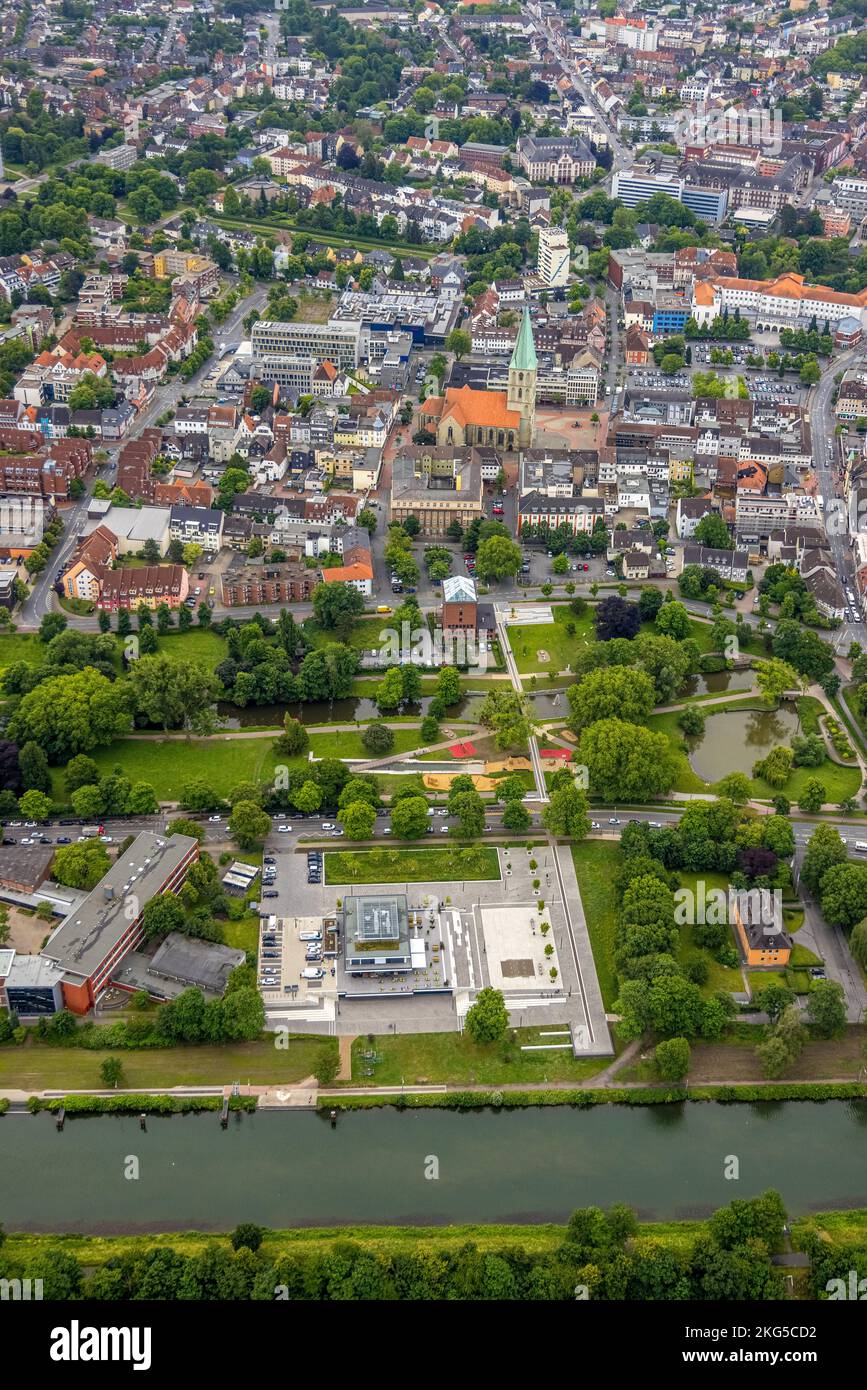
[[291, 1169]]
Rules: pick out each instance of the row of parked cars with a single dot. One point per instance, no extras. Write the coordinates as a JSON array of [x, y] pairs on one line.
[[270, 954], [314, 866]]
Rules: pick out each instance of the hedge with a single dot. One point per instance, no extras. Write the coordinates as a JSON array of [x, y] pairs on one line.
[[581, 1099], [128, 1104]]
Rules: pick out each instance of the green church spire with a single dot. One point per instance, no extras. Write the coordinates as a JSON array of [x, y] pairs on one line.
[[524, 357]]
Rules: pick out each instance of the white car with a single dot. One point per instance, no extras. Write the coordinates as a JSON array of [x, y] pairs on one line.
[[30, 825], [215, 820], [283, 829], [327, 825], [28, 841]]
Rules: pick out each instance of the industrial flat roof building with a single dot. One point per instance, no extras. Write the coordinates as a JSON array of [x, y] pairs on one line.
[[90, 944], [376, 934]]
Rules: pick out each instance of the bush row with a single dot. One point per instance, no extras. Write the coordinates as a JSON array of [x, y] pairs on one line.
[[124, 1104], [513, 1100]]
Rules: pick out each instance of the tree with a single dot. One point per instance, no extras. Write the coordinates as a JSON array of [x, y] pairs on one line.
[[326, 1066], [615, 617], [378, 738], [307, 797], [826, 1008], [164, 913], [51, 625], [504, 712], [409, 818], [459, 342], [516, 816], [713, 532], [336, 606], [497, 558], [775, 999], [80, 772], [618, 692], [626, 762], [33, 767], [735, 786], [246, 1236], [142, 800], [774, 678], [171, 694], [81, 865], [111, 1071], [776, 767], [824, 849], [448, 686], [487, 1021], [88, 802], [71, 714], [249, 824], [35, 805], [566, 813], [358, 819], [469, 808], [672, 1058], [672, 620], [294, 740], [843, 891], [148, 643], [812, 797], [691, 720], [389, 692]]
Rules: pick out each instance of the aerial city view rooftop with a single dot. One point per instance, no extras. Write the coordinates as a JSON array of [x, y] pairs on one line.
[[433, 658]]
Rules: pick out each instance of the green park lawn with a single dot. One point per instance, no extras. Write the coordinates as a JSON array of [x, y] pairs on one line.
[[363, 635], [412, 865], [528, 640], [760, 979], [419, 1058], [349, 745], [243, 935], [596, 863], [199, 645], [39, 1066], [168, 764], [20, 646]]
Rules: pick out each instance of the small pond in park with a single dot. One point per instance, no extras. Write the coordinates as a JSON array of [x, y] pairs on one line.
[[718, 683], [733, 741]]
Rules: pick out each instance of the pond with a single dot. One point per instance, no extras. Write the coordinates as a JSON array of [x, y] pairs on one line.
[[718, 683], [733, 741], [291, 1169]]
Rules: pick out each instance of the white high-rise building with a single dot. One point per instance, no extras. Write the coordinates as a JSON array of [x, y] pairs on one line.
[[553, 259]]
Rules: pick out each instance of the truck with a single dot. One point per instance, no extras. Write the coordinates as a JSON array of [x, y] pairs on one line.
[[90, 832]]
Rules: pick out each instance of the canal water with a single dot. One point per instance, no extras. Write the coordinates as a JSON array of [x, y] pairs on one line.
[[292, 1169]]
